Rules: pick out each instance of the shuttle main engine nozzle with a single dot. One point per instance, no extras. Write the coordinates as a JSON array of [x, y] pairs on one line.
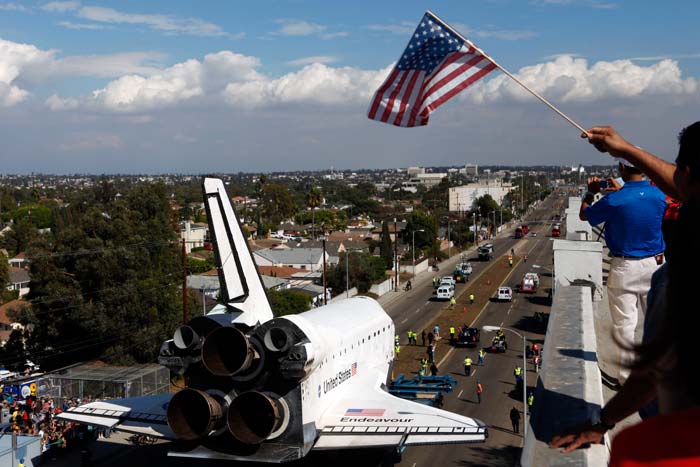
[[227, 351], [192, 414], [185, 338], [254, 416]]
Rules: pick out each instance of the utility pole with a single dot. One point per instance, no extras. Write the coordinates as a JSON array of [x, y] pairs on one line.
[[184, 282], [396, 257], [325, 295]]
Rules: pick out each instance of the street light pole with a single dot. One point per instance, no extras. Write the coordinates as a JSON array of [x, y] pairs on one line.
[[488, 328], [449, 241], [413, 251], [347, 275]]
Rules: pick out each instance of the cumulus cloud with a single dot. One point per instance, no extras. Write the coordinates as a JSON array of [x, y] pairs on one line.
[[15, 59], [316, 83], [570, 79], [178, 83], [291, 27], [57, 103], [13, 7], [61, 7], [90, 26]]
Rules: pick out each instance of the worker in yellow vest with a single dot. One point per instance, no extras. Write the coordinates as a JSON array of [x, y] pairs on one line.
[[397, 351], [471, 298], [452, 333], [468, 366]]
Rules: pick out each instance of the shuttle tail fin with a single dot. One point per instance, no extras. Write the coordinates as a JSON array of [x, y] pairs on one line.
[[242, 289]]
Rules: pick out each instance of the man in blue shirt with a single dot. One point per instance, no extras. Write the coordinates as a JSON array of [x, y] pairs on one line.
[[632, 216]]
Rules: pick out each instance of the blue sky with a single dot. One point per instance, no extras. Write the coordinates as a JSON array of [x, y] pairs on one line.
[[158, 86]]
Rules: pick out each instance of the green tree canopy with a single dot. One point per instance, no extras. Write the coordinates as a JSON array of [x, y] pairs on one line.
[[288, 302]]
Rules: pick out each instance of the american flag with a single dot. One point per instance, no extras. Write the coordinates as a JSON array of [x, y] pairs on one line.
[[436, 65], [353, 369], [364, 412]]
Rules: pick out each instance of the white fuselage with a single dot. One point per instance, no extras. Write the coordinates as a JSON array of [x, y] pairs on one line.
[[351, 332]]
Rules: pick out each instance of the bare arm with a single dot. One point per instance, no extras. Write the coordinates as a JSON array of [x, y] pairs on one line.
[[593, 187], [606, 139], [638, 390]]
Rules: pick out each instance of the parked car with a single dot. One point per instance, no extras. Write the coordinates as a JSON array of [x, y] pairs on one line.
[[445, 292], [504, 294], [466, 267]]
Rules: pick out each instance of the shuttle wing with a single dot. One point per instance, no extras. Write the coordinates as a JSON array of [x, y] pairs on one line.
[[140, 415], [379, 419]]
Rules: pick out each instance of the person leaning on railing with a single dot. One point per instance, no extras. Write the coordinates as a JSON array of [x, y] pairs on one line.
[[666, 369]]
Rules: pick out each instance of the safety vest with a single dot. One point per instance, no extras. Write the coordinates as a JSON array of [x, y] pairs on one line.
[[452, 330], [530, 400], [410, 334], [396, 339], [421, 372], [518, 371], [467, 361], [471, 296], [397, 349], [482, 354]]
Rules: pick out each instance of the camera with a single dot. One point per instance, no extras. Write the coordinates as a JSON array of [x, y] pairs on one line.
[[603, 184]]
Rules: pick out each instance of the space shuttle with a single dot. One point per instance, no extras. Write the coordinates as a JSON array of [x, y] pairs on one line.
[[272, 389]]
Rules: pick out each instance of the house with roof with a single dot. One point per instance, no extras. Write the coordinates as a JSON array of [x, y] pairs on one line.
[[19, 280], [19, 260], [310, 259], [7, 325], [194, 234]]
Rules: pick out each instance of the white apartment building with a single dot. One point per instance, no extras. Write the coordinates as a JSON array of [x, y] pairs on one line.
[[462, 198]]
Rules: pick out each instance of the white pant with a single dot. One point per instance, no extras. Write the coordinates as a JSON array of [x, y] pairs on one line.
[[628, 285]]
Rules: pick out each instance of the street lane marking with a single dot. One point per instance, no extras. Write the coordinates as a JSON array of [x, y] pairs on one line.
[[417, 310], [404, 321], [449, 352], [460, 393]]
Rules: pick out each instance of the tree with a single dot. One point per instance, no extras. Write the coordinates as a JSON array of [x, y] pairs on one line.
[[288, 302], [419, 220], [386, 250], [362, 271], [313, 200], [277, 203]]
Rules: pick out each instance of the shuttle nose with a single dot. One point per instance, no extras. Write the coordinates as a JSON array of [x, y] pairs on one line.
[[227, 351], [193, 414], [253, 417]]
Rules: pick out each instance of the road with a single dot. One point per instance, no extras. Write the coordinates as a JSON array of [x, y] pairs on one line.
[[502, 447]]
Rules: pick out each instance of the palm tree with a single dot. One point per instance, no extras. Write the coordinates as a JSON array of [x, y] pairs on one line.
[[313, 200]]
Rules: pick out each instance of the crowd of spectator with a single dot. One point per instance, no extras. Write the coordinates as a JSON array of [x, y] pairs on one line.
[[36, 416]]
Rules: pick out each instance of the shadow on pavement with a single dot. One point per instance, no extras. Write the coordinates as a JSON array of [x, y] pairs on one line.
[[579, 353], [488, 456]]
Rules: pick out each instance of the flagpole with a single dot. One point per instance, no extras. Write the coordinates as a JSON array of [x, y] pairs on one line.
[[533, 92]]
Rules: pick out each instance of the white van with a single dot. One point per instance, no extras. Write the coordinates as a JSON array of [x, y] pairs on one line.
[[504, 294], [445, 292]]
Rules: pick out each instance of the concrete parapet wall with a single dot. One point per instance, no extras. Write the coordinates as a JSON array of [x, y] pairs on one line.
[[351, 293], [576, 229], [578, 263], [569, 388]]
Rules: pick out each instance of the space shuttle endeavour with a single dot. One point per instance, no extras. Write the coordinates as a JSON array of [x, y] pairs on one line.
[[267, 389]]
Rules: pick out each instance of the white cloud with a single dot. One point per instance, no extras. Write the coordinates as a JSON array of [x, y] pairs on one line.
[[90, 26], [291, 27], [13, 7], [316, 83], [325, 59], [15, 59], [91, 141], [494, 33], [569, 79], [176, 84], [54, 102], [402, 28], [167, 24], [61, 7]]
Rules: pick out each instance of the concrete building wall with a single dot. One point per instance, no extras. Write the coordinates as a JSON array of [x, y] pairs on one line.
[[462, 198], [578, 263]]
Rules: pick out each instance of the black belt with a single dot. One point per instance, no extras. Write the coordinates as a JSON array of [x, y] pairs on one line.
[[635, 257]]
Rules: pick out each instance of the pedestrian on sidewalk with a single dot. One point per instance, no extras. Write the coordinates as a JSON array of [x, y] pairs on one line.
[[515, 419], [471, 298], [479, 390], [482, 354], [467, 366], [433, 370], [422, 336]]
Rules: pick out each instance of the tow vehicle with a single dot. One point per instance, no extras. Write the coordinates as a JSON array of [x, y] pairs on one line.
[[469, 337]]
